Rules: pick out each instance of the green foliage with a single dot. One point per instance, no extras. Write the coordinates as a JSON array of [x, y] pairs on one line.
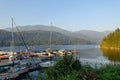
[[65, 69], [76, 65], [86, 73], [64, 66], [110, 72], [112, 40], [71, 76], [70, 69]]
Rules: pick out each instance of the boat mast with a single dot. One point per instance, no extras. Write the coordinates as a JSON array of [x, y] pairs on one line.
[[21, 35], [51, 24], [12, 43]]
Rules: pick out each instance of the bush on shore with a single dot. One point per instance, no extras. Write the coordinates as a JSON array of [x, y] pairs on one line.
[[70, 69]]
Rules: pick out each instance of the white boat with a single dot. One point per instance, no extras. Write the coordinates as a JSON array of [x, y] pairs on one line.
[[3, 52], [13, 73], [47, 64]]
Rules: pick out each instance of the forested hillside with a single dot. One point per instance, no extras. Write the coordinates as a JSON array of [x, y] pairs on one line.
[[94, 36], [88, 35], [112, 40], [38, 37]]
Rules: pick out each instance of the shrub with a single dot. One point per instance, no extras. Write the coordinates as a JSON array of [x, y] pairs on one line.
[[64, 68], [86, 73], [69, 69], [110, 72]]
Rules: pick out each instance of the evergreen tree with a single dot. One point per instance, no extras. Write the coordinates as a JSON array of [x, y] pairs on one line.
[[112, 39]]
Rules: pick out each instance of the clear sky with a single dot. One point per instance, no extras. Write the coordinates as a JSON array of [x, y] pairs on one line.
[[72, 15]]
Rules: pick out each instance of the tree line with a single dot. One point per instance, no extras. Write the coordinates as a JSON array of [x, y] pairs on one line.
[[112, 39]]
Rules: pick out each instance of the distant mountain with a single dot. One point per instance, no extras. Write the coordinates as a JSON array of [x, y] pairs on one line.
[[39, 37], [43, 28], [93, 36], [48, 28], [40, 27], [87, 35]]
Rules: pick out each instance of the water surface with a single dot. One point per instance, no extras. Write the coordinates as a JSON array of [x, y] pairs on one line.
[[89, 53]]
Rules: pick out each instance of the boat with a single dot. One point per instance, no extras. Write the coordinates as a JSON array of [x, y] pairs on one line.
[[3, 52], [12, 68], [13, 72], [4, 57], [47, 64]]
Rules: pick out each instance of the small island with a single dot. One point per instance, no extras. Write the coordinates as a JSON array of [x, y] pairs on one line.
[[112, 40]]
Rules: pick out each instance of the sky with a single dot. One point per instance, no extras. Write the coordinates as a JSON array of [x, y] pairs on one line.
[[73, 15]]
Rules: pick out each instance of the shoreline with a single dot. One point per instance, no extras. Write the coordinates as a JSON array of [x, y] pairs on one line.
[[111, 48]]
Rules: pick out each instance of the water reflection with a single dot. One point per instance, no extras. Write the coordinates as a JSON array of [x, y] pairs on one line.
[[112, 55]]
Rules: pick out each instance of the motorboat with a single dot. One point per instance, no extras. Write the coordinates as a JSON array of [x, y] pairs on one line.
[[47, 63]]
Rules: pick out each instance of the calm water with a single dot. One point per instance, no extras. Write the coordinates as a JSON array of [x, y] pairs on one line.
[[84, 51], [88, 53], [53, 47]]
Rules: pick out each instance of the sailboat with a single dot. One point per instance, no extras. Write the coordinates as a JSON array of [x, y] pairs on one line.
[[12, 53], [49, 62], [50, 48], [7, 55], [9, 66]]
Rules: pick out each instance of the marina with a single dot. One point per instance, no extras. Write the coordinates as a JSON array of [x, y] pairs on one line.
[[23, 62], [87, 54], [59, 40]]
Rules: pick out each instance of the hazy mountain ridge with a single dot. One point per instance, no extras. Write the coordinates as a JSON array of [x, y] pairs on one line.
[[88, 35], [38, 27], [39, 37], [94, 36], [43, 28]]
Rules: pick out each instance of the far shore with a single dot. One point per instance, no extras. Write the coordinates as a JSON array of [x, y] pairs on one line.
[[111, 48]]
